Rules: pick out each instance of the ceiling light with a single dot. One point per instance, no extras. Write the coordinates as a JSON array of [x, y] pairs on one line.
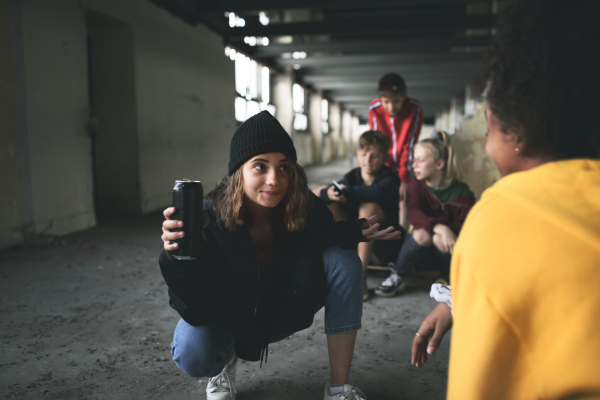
[[262, 17]]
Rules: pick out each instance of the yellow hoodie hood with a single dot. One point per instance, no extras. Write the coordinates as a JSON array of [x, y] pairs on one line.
[[575, 210]]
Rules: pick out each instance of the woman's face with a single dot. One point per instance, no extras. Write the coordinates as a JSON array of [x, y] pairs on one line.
[[424, 165], [266, 179], [500, 147]]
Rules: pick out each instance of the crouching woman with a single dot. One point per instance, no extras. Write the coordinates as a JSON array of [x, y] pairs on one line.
[[271, 258]]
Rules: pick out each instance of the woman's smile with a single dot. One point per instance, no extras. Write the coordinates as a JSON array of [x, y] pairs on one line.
[[266, 179]]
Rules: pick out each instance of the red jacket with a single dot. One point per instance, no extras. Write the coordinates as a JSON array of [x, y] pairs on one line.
[[425, 210], [403, 130]]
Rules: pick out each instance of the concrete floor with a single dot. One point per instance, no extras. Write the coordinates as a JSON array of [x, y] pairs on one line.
[[87, 317]]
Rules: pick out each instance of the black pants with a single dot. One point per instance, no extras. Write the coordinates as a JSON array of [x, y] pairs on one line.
[[413, 255]]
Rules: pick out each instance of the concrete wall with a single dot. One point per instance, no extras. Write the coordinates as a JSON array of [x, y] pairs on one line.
[[56, 92], [114, 105], [479, 170], [10, 193], [178, 103], [185, 91]]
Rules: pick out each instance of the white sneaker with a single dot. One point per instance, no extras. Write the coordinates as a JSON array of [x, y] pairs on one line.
[[221, 387], [394, 283], [349, 393]]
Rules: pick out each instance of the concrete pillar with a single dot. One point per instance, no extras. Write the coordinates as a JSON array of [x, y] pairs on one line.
[[314, 126], [338, 147], [282, 99]]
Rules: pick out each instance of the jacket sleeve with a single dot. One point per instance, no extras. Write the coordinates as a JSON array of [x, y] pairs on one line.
[[323, 196], [188, 282], [372, 121], [384, 189], [412, 137], [344, 234], [416, 210]]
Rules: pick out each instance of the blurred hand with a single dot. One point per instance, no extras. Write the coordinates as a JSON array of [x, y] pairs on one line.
[[333, 196], [430, 333], [169, 237], [447, 238], [370, 230]]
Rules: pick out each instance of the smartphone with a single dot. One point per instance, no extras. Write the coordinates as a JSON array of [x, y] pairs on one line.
[[338, 189]]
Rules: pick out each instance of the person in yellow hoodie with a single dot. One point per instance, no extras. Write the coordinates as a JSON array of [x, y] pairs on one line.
[[525, 272]]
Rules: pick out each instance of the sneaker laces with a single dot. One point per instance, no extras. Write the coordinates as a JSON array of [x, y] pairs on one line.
[[354, 394], [222, 382], [391, 280]]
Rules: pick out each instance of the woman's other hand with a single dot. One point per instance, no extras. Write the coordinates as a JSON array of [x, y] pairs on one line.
[[333, 196], [169, 237], [444, 238], [430, 333], [370, 230]]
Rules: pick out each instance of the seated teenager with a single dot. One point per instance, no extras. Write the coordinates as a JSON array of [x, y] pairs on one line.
[[371, 189], [438, 204]]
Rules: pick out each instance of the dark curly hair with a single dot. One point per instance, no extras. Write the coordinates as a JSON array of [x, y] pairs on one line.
[[543, 70]]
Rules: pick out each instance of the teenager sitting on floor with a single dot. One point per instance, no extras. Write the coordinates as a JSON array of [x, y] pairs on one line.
[[438, 204], [370, 189]]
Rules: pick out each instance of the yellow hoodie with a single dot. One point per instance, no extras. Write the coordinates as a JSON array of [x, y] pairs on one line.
[[526, 288]]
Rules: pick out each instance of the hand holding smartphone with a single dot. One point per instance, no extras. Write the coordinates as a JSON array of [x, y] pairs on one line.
[[338, 189]]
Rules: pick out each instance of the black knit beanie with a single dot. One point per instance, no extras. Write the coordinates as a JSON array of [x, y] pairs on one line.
[[259, 134]]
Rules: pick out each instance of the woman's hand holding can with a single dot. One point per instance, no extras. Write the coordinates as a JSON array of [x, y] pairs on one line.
[[169, 237]]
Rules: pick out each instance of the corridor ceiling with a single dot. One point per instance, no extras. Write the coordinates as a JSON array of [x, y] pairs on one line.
[[436, 45]]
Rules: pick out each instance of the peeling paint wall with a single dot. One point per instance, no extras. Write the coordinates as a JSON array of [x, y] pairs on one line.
[[479, 170]]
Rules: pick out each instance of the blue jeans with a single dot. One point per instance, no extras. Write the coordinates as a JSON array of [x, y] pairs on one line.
[[203, 350]]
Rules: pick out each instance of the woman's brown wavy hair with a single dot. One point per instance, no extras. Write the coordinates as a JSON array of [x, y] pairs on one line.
[[291, 214]]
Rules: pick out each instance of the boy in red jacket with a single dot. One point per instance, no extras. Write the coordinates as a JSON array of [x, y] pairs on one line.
[[400, 118]]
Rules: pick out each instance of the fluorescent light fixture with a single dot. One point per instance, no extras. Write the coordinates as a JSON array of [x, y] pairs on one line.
[[262, 17], [298, 55]]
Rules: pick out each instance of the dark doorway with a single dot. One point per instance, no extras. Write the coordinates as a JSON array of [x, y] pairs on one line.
[[113, 127]]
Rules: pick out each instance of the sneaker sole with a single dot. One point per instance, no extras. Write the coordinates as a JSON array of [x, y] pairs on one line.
[[384, 294]]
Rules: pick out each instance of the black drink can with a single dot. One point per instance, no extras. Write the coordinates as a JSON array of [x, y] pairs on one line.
[[187, 200]]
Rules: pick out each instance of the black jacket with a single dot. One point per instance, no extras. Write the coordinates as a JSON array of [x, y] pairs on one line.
[[384, 190], [222, 285]]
